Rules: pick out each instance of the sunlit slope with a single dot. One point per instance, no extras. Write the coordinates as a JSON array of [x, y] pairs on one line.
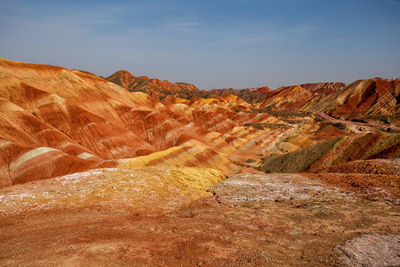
[[56, 121], [147, 189]]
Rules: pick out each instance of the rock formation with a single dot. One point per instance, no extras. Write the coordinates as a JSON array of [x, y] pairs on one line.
[[250, 95], [61, 121], [375, 96], [154, 87]]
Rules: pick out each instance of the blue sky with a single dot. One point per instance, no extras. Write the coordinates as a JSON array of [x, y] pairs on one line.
[[213, 44]]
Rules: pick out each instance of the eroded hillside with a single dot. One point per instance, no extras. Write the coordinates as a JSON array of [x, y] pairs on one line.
[[97, 172]]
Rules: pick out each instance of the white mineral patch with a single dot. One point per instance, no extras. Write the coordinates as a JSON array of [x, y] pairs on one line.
[[259, 187], [11, 107], [4, 143], [180, 106], [371, 250], [238, 182], [32, 154], [121, 149], [159, 106], [75, 177], [20, 196], [53, 98], [85, 155]]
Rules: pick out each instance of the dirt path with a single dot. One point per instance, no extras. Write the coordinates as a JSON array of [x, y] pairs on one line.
[[252, 220], [329, 118]]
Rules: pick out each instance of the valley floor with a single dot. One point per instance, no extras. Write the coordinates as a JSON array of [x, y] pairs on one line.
[[247, 219]]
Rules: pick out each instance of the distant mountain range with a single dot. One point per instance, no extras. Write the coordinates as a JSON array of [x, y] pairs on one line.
[[56, 121], [374, 96]]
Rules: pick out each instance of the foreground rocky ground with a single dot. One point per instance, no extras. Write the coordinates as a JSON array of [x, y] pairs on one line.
[[106, 217]]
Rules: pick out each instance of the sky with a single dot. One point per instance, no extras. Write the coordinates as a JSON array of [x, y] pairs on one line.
[[213, 44]]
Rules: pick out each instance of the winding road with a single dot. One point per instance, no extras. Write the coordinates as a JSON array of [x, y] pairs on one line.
[[327, 117]]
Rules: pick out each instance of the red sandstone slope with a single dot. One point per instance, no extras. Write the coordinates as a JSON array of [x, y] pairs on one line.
[[263, 90], [297, 96], [250, 95], [323, 88], [56, 121], [375, 96], [161, 89], [153, 87], [284, 94], [372, 96]]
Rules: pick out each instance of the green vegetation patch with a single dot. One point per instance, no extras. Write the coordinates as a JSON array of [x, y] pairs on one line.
[[299, 160], [384, 147]]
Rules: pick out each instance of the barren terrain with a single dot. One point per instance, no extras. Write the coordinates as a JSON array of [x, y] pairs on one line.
[[137, 171], [251, 219]]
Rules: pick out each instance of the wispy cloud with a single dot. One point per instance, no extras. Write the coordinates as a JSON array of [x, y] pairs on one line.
[[181, 25]]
